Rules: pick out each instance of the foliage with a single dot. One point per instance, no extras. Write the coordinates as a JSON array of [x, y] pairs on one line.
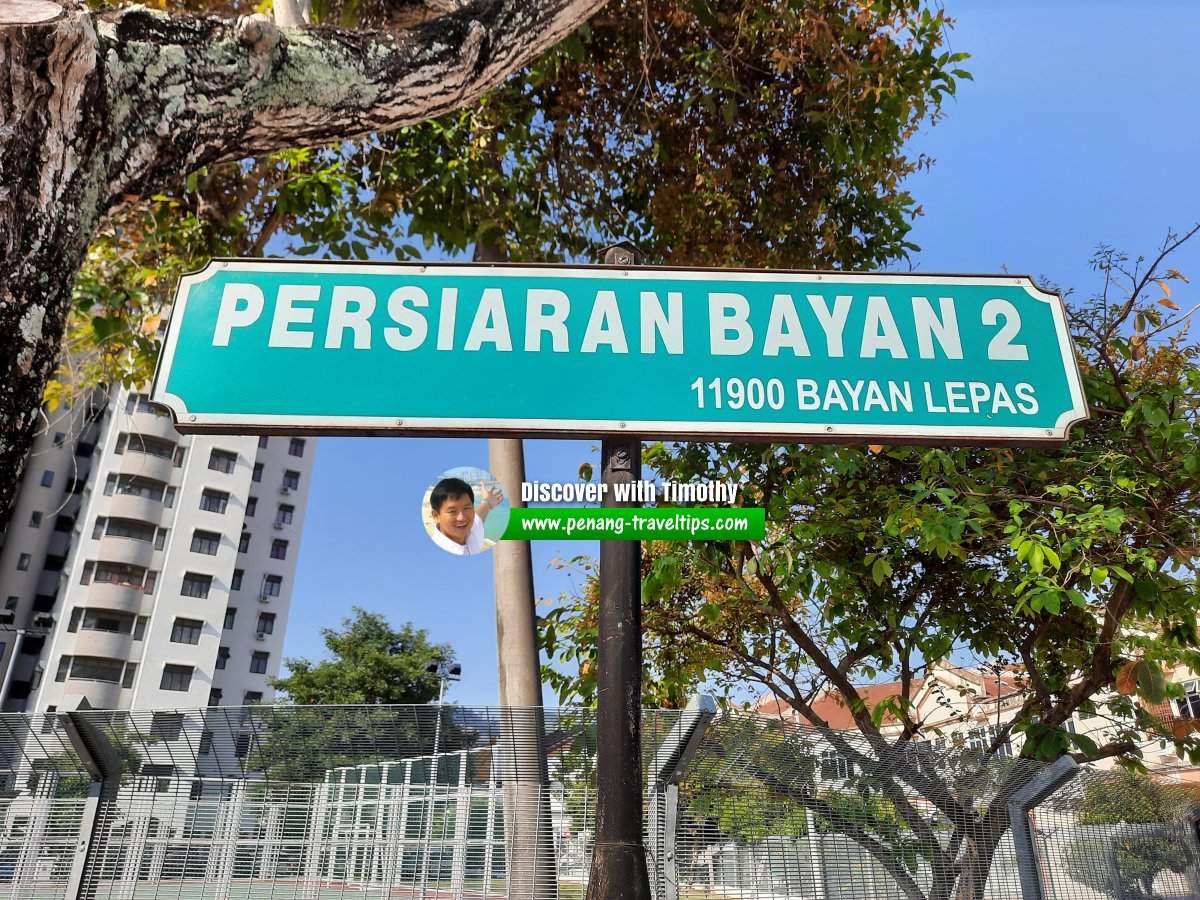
[[723, 132], [1144, 847], [371, 663], [1077, 565], [882, 562], [304, 743], [72, 781], [1134, 798]]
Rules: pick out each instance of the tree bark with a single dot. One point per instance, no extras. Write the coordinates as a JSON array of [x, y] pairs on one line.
[[99, 107]]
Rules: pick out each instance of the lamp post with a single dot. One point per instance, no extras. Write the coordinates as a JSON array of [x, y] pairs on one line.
[[445, 671]]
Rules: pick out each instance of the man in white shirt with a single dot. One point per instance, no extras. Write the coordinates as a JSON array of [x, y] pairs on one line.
[[457, 521]]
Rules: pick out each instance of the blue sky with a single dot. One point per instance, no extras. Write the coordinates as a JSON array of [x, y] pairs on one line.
[[1080, 128]]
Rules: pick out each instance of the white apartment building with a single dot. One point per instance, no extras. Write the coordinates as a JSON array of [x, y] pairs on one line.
[[144, 569]]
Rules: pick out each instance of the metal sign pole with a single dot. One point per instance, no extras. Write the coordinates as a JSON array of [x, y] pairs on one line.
[[618, 869]]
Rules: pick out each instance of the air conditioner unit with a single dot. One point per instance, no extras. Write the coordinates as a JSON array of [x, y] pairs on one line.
[[264, 598], [260, 636], [279, 526], [285, 490]]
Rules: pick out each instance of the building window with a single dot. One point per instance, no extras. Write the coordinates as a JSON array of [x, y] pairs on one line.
[[835, 766], [272, 584], [64, 523], [279, 549], [291, 480], [206, 542], [262, 442], [11, 602], [151, 446], [981, 739], [252, 697], [296, 447], [169, 497], [222, 657], [94, 668], [241, 746], [256, 475], [166, 725], [196, 585], [206, 742], [54, 563], [176, 678], [214, 696], [284, 516], [119, 573], [186, 631], [23, 562], [251, 506], [130, 671], [258, 662], [222, 461], [179, 454], [107, 620], [244, 542], [235, 584], [59, 437], [230, 615], [139, 627], [214, 501], [1189, 706], [266, 623], [35, 519], [47, 478], [64, 666], [129, 528], [137, 486]]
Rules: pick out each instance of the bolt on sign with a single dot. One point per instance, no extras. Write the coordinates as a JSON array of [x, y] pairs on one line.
[[721, 354]]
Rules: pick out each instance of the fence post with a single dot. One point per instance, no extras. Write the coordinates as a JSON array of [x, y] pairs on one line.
[[668, 768], [1022, 802], [104, 765]]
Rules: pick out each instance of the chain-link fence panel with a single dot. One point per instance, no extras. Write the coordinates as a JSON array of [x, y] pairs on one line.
[[770, 809], [314, 803], [1119, 836]]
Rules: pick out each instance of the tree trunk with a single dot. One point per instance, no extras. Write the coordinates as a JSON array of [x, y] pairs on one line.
[[51, 110], [101, 106]]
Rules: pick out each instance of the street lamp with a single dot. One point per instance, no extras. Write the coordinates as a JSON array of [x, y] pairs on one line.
[[445, 671]]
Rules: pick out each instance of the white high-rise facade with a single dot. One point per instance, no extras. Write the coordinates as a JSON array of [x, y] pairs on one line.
[[144, 569]]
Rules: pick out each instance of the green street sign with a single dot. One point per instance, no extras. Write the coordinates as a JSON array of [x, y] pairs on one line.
[[289, 346]]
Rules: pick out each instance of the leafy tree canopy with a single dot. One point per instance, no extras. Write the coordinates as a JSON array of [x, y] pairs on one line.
[[1077, 565], [371, 662], [713, 133]]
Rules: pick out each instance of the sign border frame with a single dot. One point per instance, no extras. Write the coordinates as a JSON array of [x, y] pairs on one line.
[[187, 422]]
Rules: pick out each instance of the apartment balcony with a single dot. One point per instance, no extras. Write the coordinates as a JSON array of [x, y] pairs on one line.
[[134, 462], [150, 425], [135, 506], [126, 550], [125, 598], [107, 644], [100, 694]]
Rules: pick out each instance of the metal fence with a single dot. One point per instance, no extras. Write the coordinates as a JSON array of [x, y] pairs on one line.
[[426, 801]]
